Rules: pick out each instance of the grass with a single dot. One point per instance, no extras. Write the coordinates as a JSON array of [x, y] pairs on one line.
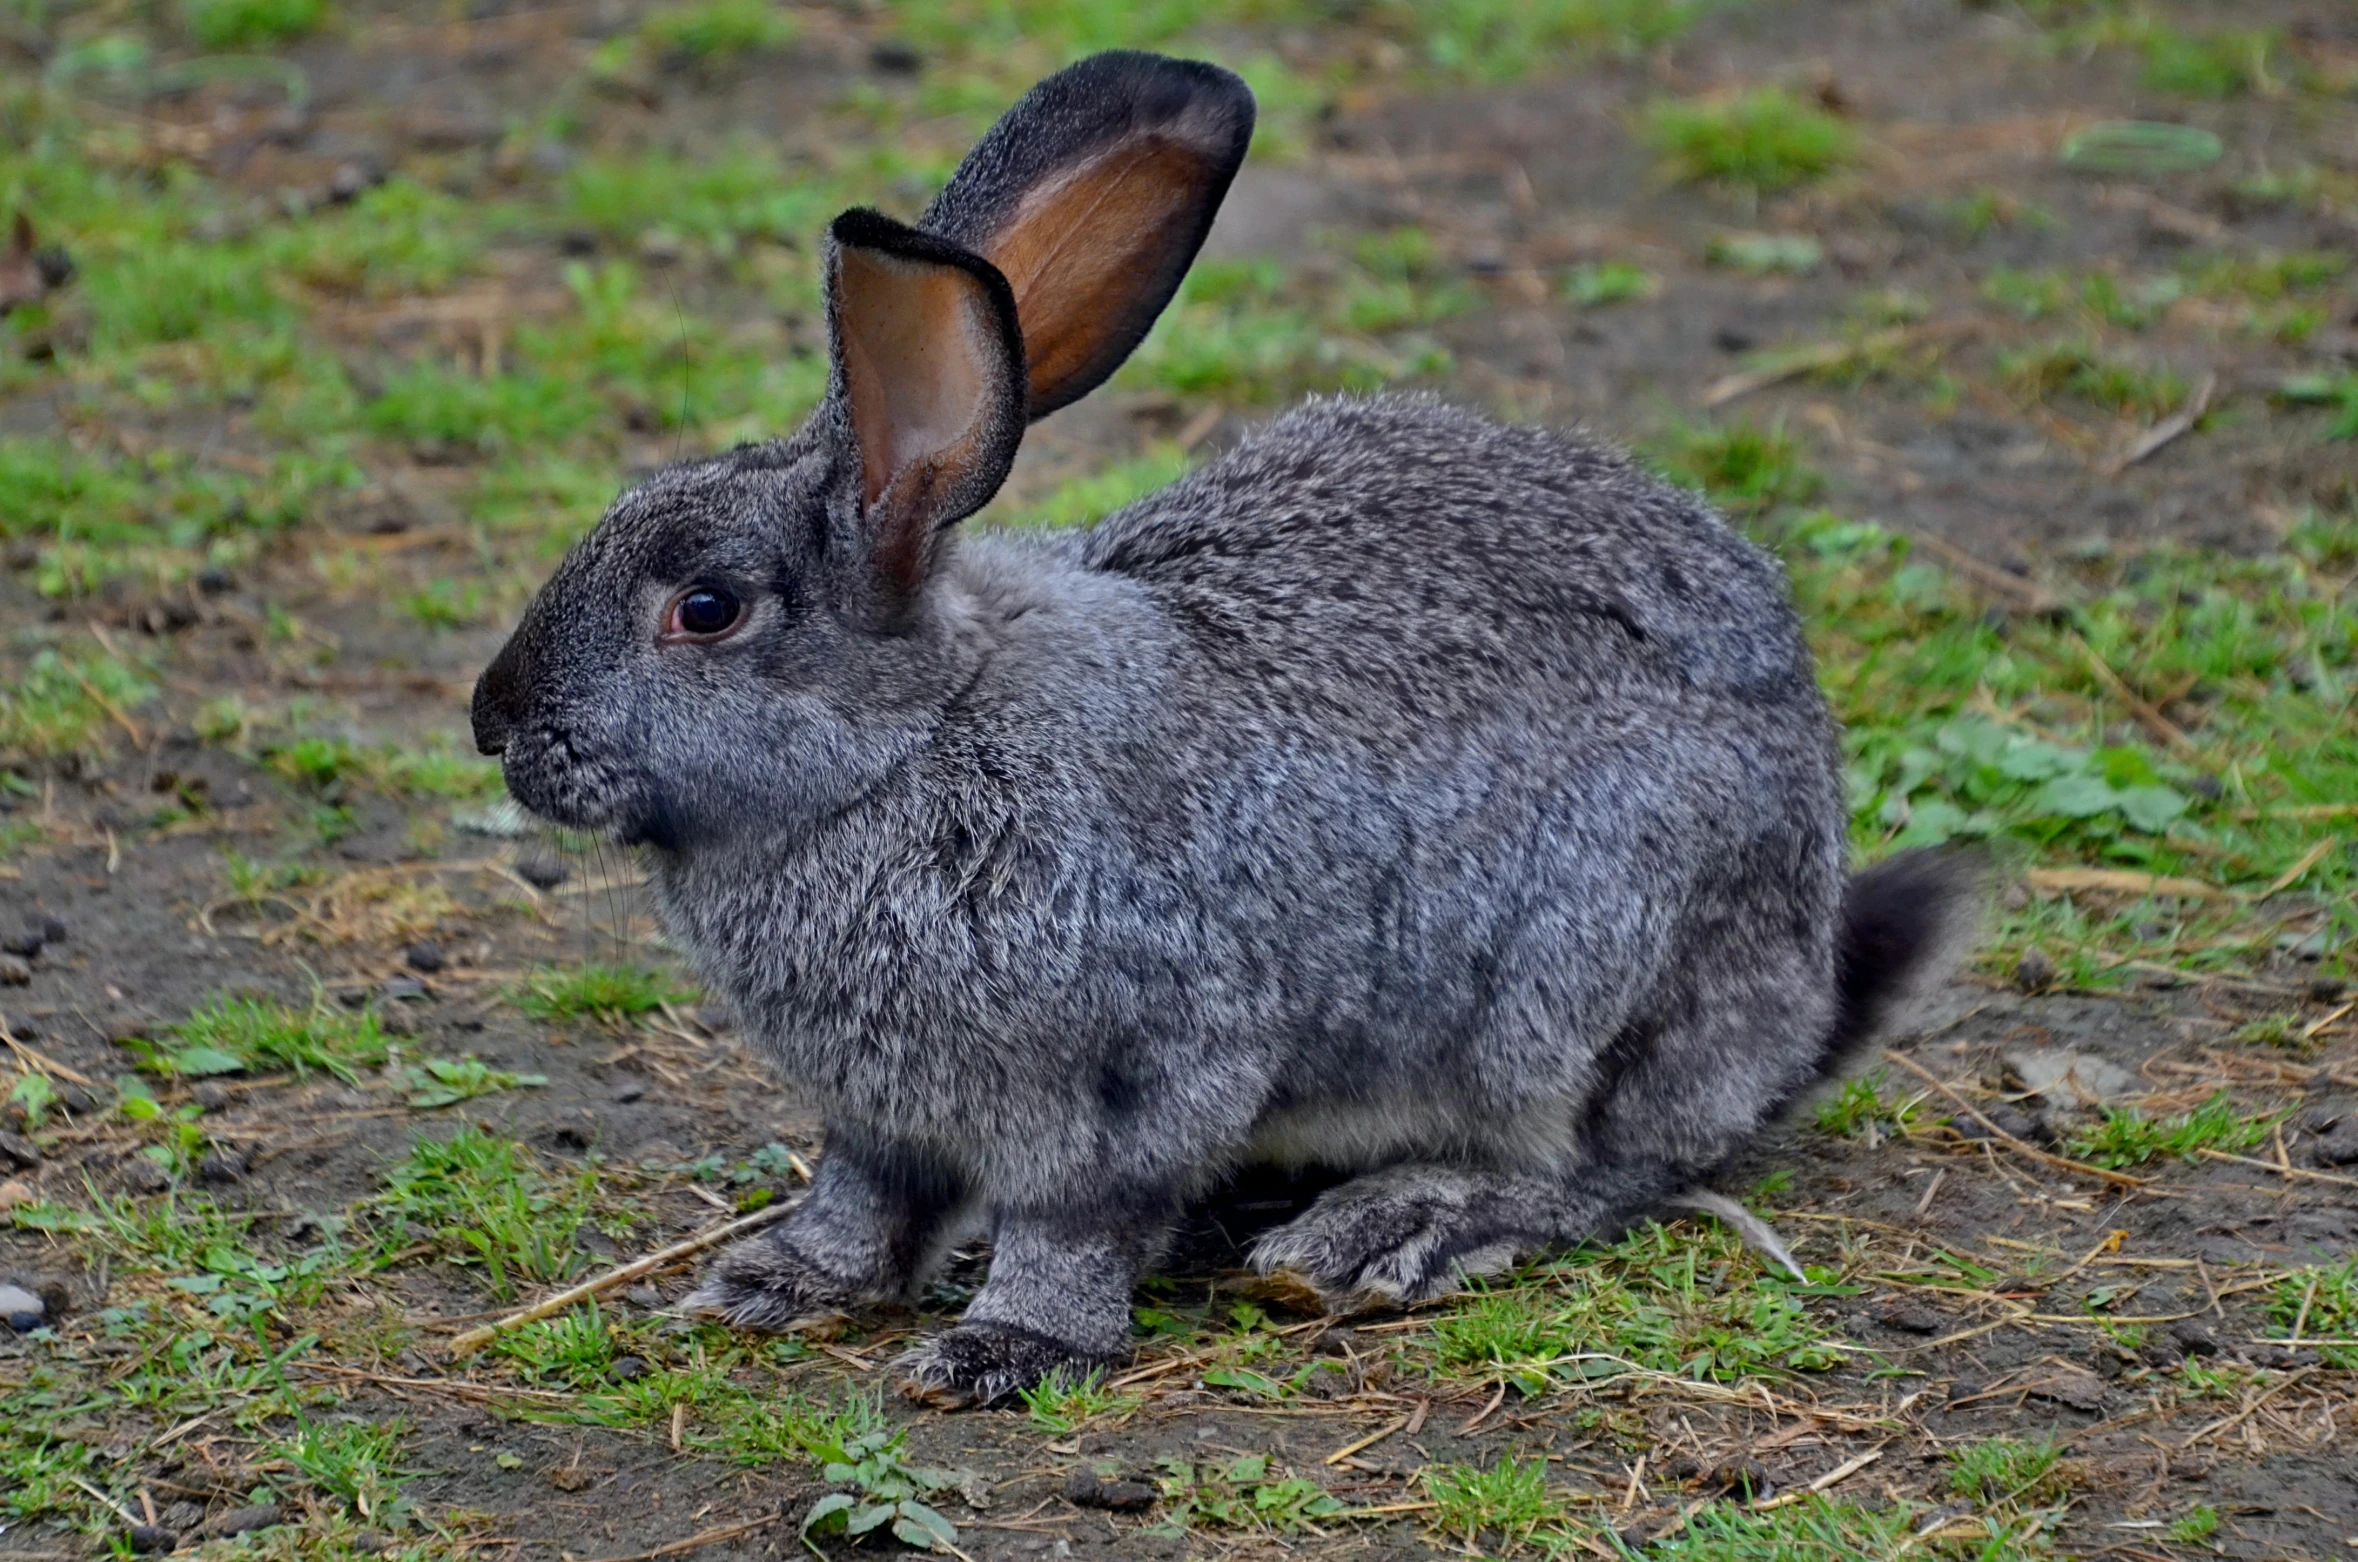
[[246, 24], [2001, 1470], [2323, 1301], [486, 1203], [71, 708], [1597, 283], [1688, 1303], [2078, 369], [1741, 465], [1759, 141], [1860, 1108], [355, 1462], [440, 1082], [232, 1035], [2127, 1137], [609, 993], [1509, 1499], [1063, 1404], [717, 32], [1243, 1493]]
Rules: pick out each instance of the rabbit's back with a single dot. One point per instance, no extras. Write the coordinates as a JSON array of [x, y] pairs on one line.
[[1362, 564]]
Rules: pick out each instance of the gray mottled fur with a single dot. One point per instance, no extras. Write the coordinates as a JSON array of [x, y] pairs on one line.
[[1401, 793]]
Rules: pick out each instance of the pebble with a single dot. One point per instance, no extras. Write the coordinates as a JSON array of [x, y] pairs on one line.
[[19, 1152], [644, 1296], [2069, 1076], [221, 1167], [152, 1539], [15, 971], [2033, 972], [542, 872], [627, 1091], [27, 943], [627, 1368], [21, 1310], [403, 988], [425, 955], [53, 930], [241, 1521], [2193, 1338], [142, 1175], [2339, 1148], [1085, 1488]]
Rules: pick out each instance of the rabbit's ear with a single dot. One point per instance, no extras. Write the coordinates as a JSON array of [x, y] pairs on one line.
[[1092, 195], [929, 371]]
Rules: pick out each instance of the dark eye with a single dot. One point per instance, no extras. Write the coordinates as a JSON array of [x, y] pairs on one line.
[[703, 613]]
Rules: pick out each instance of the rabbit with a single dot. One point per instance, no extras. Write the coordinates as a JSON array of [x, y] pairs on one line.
[[1446, 805]]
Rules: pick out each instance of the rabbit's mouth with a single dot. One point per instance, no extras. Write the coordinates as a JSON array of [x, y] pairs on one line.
[[552, 776]]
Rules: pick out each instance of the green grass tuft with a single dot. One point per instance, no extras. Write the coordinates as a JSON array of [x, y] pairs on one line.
[[2127, 1137], [1763, 140], [2004, 1470], [2323, 1300], [1510, 1499], [605, 992], [232, 1035], [247, 24], [485, 1202]]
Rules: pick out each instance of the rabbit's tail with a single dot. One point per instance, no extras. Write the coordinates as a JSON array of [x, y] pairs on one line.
[[1906, 923]]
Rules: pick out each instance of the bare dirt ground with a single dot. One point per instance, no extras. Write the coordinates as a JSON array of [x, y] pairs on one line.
[[1973, 1277]]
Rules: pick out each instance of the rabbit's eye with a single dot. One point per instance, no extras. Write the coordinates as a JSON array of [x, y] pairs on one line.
[[702, 614]]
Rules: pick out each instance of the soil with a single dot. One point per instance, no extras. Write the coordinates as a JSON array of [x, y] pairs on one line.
[[1517, 182]]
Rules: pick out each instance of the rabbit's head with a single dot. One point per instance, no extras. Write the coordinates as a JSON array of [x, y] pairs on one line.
[[757, 637]]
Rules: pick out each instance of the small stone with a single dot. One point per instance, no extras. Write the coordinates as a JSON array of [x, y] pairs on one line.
[[152, 1539], [142, 1175], [1085, 1488], [2081, 1391], [21, 1310], [348, 182], [19, 1152], [2194, 1338], [71, 1097], [403, 989], [2339, 1148], [211, 1094], [13, 1192], [26, 943], [2034, 972], [244, 1521], [627, 1369], [2327, 989], [627, 1091], [53, 930], [1909, 1318], [644, 1295], [542, 872], [2070, 1077], [219, 1168], [571, 1477], [15, 971], [213, 580], [425, 955], [895, 58]]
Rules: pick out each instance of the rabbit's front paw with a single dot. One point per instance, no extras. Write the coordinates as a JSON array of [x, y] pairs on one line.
[[980, 1364], [1388, 1238], [765, 1284]]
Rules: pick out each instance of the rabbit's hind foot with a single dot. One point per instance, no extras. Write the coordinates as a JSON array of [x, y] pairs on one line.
[[1412, 1232], [766, 1284], [974, 1365]]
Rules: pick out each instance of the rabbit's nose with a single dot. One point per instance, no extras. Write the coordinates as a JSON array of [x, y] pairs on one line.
[[494, 710]]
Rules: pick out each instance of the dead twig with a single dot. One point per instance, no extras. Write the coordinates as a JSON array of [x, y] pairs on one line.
[[2076, 1168], [2168, 429], [475, 1339], [2148, 717], [2293, 1172]]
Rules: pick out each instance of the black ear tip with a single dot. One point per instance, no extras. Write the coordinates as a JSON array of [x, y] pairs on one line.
[[1208, 103]]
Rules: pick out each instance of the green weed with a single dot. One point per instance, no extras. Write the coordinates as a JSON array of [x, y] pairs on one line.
[[1062, 1404], [1818, 1530], [1860, 1107], [2003, 1470], [1762, 141], [356, 1462], [1740, 465], [2322, 1300], [1598, 283], [885, 1492], [68, 708], [231, 1035], [2200, 1524], [2077, 369], [1241, 1494], [1510, 1499], [485, 1202], [716, 32], [2336, 391], [1655, 1300], [2127, 1137], [609, 993], [2208, 65], [575, 1348], [245, 24], [440, 1082]]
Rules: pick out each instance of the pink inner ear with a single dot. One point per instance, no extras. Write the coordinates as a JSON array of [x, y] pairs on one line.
[[917, 342]]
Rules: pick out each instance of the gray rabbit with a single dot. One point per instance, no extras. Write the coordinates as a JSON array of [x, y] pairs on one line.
[[1400, 794]]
